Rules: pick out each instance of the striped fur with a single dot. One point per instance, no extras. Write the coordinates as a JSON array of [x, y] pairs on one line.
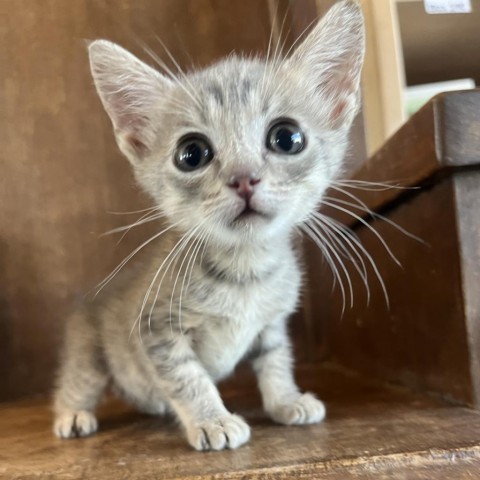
[[213, 288]]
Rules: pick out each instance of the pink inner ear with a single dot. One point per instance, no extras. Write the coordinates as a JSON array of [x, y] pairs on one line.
[[139, 147], [132, 128], [124, 114], [338, 90], [338, 110]]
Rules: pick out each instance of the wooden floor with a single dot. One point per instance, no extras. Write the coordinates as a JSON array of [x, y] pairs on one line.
[[371, 432]]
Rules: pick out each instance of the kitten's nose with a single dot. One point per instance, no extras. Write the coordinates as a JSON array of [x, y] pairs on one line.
[[244, 185]]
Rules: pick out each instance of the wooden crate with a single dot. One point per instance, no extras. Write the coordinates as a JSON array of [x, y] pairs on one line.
[[428, 337]]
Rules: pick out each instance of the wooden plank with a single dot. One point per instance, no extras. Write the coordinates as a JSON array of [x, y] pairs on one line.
[[406, 160], [442, 135], [458, 127], [467, 203], [371, 432], [383, 73]]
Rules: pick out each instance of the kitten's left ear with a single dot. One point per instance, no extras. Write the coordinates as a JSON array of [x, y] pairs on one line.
[[329, 62]]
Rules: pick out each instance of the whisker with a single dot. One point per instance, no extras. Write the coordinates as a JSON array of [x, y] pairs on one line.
[[373, 186], [201, 243], [362, 206], [273, 24], [362, 268], [115, 271], [271, 65], [339, 260], [180, 70], [359, 245], [179, 246], [190, 264], [323, 248], [132, 212], [358, 263], [171, 258], [300, 36], [187, 255], [361, 220], [204, 250], [151, 219], [145, 299], [173, 77], [142, 220], [278, 63]]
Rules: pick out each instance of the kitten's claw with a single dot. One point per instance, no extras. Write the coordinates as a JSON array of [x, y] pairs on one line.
[[72, 424], [304, 410], [229, 431]]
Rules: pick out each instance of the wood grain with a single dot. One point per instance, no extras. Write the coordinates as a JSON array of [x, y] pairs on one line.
[[467, 201], [458, 129], [371, 432]]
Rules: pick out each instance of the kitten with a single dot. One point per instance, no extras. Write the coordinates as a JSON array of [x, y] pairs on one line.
[[236, 157]]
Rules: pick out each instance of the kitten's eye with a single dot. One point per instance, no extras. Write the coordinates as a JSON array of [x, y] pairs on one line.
[[285, 137], [193, 152]]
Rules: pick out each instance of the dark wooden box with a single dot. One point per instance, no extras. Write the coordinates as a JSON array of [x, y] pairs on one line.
[[428, 338]]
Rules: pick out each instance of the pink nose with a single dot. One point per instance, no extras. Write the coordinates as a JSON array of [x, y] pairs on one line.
[[244, 185]]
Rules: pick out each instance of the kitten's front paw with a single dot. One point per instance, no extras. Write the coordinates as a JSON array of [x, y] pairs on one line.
[[304, 410], [229, 431], [70, 424]]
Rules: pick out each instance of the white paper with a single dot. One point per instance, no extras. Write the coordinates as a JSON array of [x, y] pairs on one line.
[[448, 6]]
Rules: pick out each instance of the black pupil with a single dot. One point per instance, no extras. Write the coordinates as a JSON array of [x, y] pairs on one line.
[[285, 139], [193, 154]]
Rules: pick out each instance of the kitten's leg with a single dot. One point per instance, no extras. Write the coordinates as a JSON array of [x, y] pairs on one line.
[[81, 380], [194, 398], [282, 399]]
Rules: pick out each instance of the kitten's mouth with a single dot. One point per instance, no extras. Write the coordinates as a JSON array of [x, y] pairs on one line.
[[248, 213]]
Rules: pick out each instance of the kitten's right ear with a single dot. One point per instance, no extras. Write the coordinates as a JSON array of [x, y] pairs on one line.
[[129, 90], [329, 63]]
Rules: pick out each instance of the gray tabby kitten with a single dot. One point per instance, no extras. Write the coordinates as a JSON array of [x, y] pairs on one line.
[[236, 158]]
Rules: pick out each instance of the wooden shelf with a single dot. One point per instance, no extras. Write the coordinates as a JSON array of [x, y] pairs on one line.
[[370, 430]]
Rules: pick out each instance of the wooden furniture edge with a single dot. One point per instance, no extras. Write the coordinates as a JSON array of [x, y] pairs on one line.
[[441, 137]]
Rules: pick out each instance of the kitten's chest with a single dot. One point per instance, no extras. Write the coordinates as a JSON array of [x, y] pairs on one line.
[[222, 344], [232, 316]]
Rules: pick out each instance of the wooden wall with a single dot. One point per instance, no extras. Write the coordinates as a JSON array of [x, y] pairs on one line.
[[60, 169]]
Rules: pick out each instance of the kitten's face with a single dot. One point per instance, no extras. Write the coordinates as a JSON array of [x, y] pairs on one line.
[[245, 158], [244, 150]]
